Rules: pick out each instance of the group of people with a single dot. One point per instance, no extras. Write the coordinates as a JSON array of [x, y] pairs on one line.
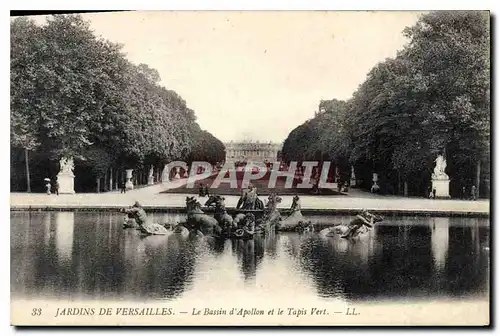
[[48, 187], [473, 193], [463, 194]]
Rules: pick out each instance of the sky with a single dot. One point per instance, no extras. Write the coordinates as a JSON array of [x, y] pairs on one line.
[[256, 75]]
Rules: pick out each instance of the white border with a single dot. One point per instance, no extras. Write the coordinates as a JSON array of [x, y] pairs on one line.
[[189, 5]]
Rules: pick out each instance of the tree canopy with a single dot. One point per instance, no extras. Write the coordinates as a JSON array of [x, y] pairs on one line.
[[74, 94], [432, 98]]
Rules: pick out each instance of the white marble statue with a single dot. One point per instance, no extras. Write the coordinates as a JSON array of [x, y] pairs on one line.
[[440, 180], [440, 167], [66, 166], [65, 177]]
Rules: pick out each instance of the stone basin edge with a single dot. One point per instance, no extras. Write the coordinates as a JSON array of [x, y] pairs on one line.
[[232, 210]]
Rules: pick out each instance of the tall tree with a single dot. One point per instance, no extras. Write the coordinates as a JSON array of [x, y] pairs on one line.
[[25, 37], [432, 99]]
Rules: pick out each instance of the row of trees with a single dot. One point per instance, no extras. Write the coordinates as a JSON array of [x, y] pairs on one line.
[[432, 98], [76, 95]]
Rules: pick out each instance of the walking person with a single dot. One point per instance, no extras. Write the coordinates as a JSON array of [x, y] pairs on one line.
[[47, 186], [473, 195], [56, 187], [434, 193], [123, 188]]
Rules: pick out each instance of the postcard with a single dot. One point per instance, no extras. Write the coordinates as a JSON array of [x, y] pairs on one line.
[[250, 168]]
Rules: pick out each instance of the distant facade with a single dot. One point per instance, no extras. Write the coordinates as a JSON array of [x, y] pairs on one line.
[[252, 151]]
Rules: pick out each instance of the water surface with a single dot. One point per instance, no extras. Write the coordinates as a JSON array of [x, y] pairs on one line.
[[87, 255]]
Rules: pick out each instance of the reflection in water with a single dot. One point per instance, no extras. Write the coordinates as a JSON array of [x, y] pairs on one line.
[[64, 223], [158, 265], [46, 225], [249, 254], [337, 264], [270, 245], [439, 241], [89, 255]]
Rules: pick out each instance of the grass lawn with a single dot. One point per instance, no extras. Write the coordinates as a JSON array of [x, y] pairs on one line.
[[262, 185]]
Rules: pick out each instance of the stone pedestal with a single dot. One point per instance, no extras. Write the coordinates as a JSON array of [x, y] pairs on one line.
[[66, 183], [66, 178], [129, 185], [442, 187], [440, 180]]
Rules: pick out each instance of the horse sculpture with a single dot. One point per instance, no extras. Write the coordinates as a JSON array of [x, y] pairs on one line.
[[198, 221], [270, 220], [223, 218], [180, 229]]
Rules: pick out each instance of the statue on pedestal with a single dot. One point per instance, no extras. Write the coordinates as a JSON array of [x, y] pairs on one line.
[[65, 177], [66, 166], [440, 180], [439, 173], [129, 184]]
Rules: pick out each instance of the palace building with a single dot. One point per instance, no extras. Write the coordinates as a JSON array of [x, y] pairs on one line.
[[252, 151]]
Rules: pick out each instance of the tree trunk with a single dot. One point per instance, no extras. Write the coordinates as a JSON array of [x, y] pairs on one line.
[[105, 180], [117, 178], [399, 183], [28, 182], [110, 178], [98, 180], [478, 177], [406, 188]]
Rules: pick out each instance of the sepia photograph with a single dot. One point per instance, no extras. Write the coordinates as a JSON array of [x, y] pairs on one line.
[[250, 168]]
